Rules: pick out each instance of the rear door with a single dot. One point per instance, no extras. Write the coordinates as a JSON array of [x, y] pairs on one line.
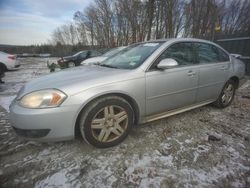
[[214, 65], [174, 87]]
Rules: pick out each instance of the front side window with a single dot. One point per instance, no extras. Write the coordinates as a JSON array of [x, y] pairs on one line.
[[180, 52], [208, 53], [133, 56]]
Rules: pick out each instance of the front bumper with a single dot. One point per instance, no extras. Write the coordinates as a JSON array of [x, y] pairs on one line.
[[51, 124]]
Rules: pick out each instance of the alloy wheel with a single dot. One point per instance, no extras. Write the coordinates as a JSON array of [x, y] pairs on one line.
[[228, 93], [109, 123]]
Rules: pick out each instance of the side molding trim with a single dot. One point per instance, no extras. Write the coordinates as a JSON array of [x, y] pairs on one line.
[[176, 111]]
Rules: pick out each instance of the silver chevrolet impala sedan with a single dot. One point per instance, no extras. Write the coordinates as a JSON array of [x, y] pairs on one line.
[[145, 82]]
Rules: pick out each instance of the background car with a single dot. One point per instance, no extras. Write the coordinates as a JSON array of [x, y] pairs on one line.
[[145, 82], [76, 59], [8, 62], [101, 58]]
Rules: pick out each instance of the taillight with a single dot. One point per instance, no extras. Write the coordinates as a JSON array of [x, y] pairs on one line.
[[13, 57]]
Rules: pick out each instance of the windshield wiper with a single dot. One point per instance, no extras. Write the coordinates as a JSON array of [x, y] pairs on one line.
[[105, 65]]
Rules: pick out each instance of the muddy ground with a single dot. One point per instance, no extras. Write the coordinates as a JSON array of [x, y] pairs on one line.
[[205, 147]]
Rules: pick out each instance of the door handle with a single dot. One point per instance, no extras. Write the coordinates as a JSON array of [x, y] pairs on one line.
[[191, 73]]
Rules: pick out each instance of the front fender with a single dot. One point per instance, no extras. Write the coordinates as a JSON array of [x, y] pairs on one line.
[[135, 89]]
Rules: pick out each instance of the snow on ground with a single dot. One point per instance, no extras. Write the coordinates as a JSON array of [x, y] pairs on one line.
[[30, 68], [172, 152], [5, 102]]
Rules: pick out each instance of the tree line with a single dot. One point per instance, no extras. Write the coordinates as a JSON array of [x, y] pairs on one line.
[[111, 23]]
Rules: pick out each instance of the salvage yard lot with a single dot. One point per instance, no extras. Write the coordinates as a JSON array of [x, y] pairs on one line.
[[205, 147]]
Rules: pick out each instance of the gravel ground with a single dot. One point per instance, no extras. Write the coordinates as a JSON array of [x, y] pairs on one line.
[[205, 147]]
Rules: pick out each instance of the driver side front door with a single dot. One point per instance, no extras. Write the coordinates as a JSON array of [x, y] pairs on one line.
[[174, 87]]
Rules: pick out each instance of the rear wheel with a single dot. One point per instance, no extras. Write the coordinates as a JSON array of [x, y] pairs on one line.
[[107, 121], [227, 95]]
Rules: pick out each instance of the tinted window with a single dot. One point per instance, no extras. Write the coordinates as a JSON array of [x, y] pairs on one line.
[[181, 52], [209, 54], [83, 54], [222, 55], [205, 53], [79, 53], [94, 54]]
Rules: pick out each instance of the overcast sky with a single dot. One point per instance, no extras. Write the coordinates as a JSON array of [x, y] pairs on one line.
[[25, 22]]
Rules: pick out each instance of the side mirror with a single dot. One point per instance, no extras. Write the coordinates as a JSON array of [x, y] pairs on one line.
[[167, 63]]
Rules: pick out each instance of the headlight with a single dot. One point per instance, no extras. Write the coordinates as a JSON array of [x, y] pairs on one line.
[[43, 99]]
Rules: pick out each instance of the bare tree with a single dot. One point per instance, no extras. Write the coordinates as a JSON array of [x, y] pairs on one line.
[[150, 17], [236, 17], [112, 23], [81, 28]]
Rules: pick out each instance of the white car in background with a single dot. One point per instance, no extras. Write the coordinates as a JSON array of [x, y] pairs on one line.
[[8, 62], [101, 58]]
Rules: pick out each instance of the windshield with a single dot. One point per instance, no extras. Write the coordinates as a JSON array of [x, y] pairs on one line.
[[113, 51], [82, 52], [132, 57]]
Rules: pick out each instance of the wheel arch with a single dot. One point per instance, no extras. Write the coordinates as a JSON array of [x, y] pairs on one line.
[[126, 97], [236, 80]]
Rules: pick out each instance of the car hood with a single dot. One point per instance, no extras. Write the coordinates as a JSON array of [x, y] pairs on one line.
[[94, 60], [74, 80]]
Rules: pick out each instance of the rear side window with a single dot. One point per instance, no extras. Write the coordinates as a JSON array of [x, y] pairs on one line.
[[181, 52], [222, 55], [208, 53]]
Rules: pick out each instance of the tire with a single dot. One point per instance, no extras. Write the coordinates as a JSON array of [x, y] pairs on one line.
[[221, 102], [71, 64], [106, 122], [3, 69]]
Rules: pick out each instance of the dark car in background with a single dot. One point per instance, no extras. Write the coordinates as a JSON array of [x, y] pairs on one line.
[[76, 59]]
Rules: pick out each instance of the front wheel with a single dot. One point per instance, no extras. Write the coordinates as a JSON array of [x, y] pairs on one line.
[[106, 122], [227, 95], [71, 64]]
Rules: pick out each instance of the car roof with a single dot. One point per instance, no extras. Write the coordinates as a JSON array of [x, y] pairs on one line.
[[179, 39], [173, 40]]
